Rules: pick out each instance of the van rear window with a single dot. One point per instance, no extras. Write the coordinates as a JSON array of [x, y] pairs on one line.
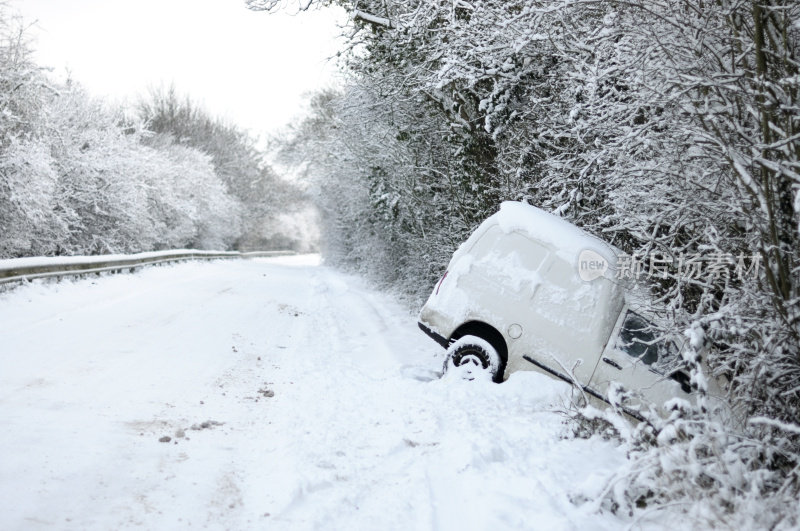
[[498, 245]]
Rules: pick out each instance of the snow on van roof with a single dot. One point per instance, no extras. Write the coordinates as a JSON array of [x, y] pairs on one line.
[[568, 239]]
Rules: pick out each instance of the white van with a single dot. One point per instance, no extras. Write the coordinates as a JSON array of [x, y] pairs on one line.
[[530, 291]]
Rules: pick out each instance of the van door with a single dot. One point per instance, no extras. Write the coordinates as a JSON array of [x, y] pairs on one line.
[[562, 323], [640, 360]]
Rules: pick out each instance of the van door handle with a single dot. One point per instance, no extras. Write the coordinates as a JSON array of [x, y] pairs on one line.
[[613, 363]]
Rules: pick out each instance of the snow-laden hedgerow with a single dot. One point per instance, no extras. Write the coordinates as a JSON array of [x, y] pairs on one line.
[[80, 177], [668, 129]]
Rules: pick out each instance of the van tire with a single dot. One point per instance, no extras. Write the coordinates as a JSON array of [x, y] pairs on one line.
[[477, 355]]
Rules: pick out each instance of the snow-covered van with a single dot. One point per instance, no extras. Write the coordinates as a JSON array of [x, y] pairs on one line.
[[530, 291]]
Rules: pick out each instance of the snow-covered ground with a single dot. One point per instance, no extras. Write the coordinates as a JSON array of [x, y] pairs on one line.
[[293, 397]]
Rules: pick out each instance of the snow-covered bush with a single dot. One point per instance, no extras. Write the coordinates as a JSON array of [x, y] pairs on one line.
[[101, 195], [214, 213], [703, 463], [28, 186]]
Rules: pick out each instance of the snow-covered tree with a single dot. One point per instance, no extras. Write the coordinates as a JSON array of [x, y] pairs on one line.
[[76, 177], [236, 160]]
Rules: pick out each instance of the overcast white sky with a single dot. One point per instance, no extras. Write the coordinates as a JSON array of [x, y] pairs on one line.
[[250, 67]]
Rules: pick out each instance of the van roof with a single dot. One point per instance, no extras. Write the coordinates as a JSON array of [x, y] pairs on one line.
[[568, 239]]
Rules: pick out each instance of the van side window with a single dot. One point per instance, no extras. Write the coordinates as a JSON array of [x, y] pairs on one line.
[[638, 338]]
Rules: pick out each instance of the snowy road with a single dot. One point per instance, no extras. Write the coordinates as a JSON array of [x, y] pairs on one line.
[[294, 398]]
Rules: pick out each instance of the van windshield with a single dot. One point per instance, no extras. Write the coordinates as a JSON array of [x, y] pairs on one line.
[[639, 338]]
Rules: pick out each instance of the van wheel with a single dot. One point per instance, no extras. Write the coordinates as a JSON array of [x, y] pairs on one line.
[[472, 357]]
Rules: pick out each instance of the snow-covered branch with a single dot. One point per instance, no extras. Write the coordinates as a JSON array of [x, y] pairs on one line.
[[372, 19]]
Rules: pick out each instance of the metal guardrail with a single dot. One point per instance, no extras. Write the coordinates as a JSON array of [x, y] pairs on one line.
[[99, 264]]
